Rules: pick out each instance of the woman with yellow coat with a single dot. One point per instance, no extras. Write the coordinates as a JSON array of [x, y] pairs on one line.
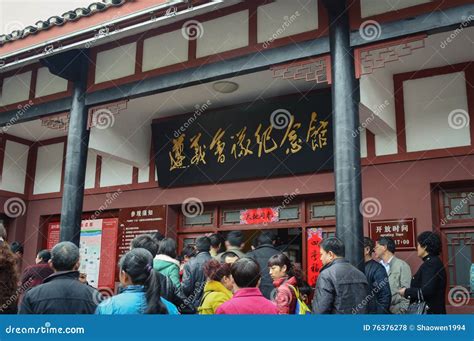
[[218, 287]]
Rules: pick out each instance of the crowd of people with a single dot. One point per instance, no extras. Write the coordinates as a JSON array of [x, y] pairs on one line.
[[215, 276]]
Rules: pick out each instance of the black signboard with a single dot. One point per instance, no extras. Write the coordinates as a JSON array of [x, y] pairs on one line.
[[263, 139]]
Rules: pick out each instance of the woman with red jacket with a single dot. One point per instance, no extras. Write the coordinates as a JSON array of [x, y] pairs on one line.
[[286, 281], [34, 275]]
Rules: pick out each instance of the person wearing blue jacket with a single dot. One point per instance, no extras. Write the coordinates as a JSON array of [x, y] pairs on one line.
[[141, 288]]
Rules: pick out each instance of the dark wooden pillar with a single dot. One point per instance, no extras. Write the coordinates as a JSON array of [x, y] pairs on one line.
[[73, 66], [345, 100]]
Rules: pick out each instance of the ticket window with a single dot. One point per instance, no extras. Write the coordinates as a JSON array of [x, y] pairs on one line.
[[289, 241]]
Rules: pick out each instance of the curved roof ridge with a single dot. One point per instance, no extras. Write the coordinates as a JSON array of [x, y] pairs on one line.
[[59, 20]]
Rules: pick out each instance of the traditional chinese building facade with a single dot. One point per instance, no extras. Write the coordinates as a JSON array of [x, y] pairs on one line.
[[198, 117]]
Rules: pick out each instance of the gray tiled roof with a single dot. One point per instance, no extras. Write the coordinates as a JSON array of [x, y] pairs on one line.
[[57, 20]]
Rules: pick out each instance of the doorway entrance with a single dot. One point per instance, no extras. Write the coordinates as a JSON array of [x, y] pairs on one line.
[[289, 241]]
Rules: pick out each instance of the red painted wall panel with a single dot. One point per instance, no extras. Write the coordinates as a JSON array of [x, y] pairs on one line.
[[403, 190]]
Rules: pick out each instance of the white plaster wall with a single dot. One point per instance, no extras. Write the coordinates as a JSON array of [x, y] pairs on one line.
[[376, 93], [16, 88], [115, 63], [115, 173], [363, 143], [165, 49], [14, 167], [374, 7], [275, 19], [428, 104], [223, 34], [386, 143], [144, 174], [49, 165], [127, 139], [89, 182], [47, 83], [377, 87], [440, 49]]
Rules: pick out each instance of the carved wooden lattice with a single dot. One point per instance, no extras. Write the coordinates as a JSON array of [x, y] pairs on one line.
[[371, 57], [103, 116], [56, 122], [312, 70]]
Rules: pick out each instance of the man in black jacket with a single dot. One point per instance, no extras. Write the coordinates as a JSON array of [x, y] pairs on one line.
[[193, 276], [379, 297], [62, 292], [263, 252], [168, 290], [340, 288]]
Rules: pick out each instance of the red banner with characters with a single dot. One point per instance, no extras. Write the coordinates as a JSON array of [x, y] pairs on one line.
[[53, 235], [314, 264], [259, 215], [108, 253]]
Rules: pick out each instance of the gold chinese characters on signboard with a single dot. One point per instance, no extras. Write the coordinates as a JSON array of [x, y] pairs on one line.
[[237, 143]]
